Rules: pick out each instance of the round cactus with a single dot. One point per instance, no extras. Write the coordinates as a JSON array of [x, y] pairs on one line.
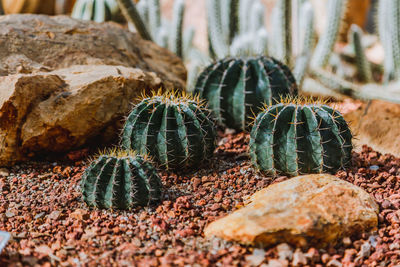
[[96, 10], [295, 138], [237, 87], [174, 129], [121, 180]]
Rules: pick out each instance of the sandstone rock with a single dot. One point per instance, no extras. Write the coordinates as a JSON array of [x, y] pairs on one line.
[[378, 126], [64, 109], [311, 209], [34, 43]]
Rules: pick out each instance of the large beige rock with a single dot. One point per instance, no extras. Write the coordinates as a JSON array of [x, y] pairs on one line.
[[377, 125], [31, 43], [64, 109], [311, 209]]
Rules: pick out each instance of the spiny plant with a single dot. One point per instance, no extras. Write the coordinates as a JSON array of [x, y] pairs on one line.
[[174, 128], [300, 136], [96, 10], [146, 16], [362, 63], [237, 87], [388, 21], [121, 179]]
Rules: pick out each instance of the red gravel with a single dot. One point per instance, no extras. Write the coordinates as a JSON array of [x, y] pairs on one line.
[[41, 205]]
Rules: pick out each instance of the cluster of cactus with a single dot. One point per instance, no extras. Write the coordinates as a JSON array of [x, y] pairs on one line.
[[296, 137], [176, 130], [96, 10], [236, 88], [172, 128], [121, 179]]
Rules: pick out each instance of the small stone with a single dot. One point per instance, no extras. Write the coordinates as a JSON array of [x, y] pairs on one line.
[[374, 167], [9, 214], [284, 251], [278, 263], [346, 241], [54, 215], [79, 214], [256, 258], [334, 263], [39, 215], [299, 259], [4, 172]]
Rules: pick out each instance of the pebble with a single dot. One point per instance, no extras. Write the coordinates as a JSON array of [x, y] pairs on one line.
[[76, 234]]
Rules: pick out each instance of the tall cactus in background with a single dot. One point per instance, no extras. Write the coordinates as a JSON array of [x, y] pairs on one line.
[[131, 14], [284, 31], [168, 34], [328, 38], [362, 63], [96, 10], [1, 8], [306, 42]]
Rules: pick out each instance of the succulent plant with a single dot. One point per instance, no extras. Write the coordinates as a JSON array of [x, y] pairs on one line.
[[175, 129], [295, 137], [237, 87], [96, 10], [121, 180]]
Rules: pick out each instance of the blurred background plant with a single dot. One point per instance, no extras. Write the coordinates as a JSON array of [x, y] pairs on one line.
[[327, 53]]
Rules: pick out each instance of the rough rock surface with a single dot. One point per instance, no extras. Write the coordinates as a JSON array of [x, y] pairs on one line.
[[310, 209], [31, 43], [64, 109], [377, 125]]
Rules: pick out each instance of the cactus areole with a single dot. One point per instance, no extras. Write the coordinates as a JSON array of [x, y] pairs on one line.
[[121, 180], [176, 130], [236, 88], [293, 139]]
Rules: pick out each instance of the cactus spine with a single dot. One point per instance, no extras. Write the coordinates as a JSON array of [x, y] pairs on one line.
[[328, 38], [174, 129], [294, 138], [237, 87], [121, 180]]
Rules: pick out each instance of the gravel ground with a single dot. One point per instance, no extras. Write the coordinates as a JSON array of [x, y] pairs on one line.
[[41, 205]]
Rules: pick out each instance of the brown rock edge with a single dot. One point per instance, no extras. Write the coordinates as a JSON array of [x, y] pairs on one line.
[[305, 210], [376, 124]]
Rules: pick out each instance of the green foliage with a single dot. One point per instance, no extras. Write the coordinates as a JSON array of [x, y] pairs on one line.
[[294, 138], [96, 10], [175, 130], [237, 87], [121, 180]]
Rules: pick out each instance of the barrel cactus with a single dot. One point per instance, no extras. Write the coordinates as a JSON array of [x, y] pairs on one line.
[[96, 10], [121, 180], [294, 138], [175, 129], [237, 87]]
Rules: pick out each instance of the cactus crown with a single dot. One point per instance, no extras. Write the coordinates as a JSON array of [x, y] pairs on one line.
[[300, 136], [174, 128], [120, 179], [173, 97]]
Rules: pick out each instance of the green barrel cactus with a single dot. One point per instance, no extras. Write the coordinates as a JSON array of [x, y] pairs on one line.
[[121, 180], [96, 10], [237, 87], [295, 138], [176, 130]]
